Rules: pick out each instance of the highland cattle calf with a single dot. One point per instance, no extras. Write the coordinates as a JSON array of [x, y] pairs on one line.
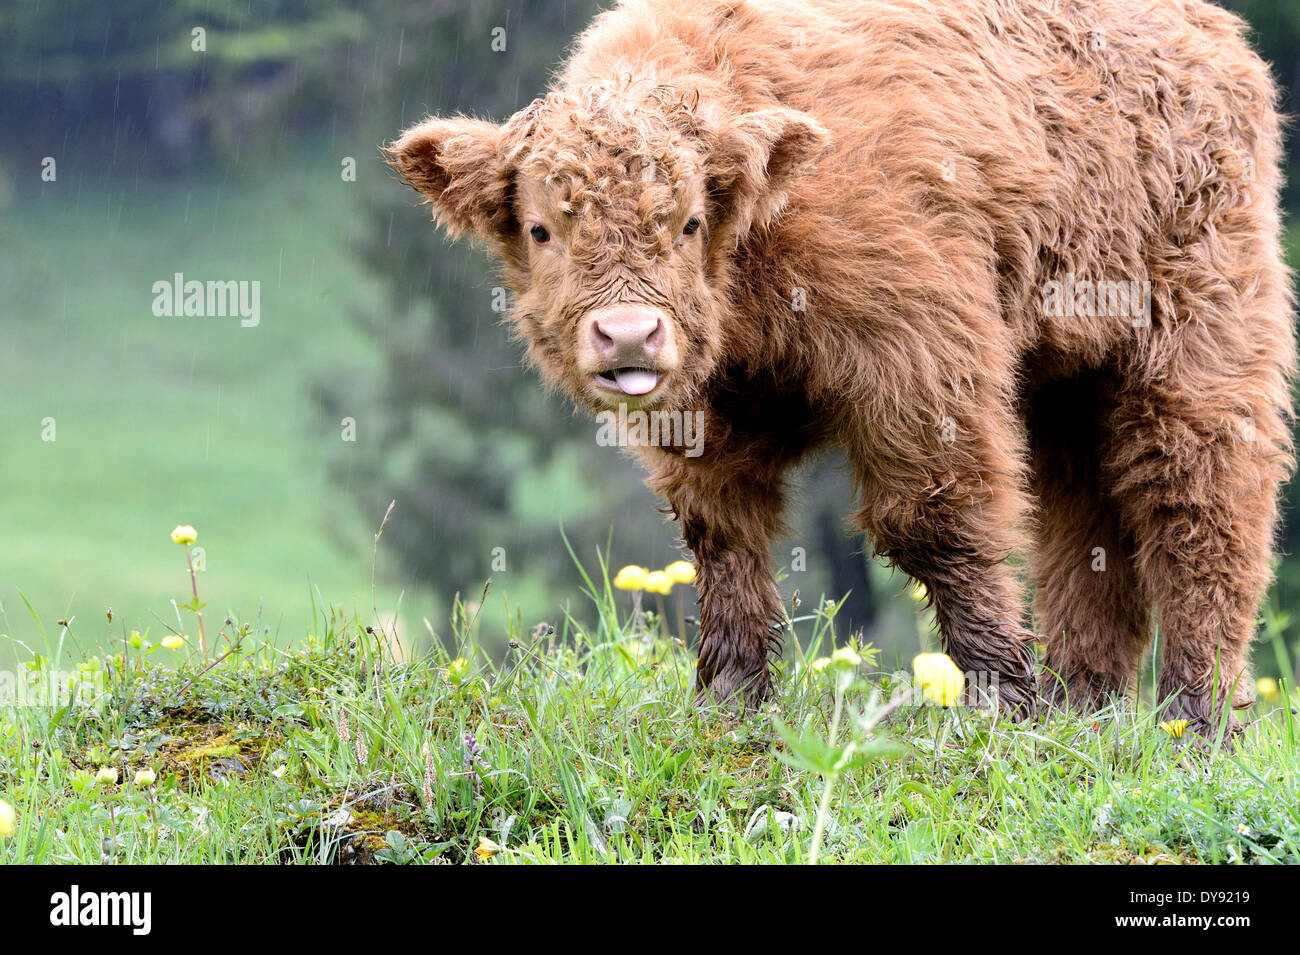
[[1019, 258]]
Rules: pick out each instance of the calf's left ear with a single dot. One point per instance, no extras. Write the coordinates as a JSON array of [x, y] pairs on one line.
[[758, 160], [459, 165]]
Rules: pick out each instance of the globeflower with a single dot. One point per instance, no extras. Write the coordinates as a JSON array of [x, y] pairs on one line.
[[187, 535], [681, 572], [657, 582], [938, 677], [7, 820], [631, 577], [457, 670], [107, 776], [1266, 688], [846, 658], [145, 777]]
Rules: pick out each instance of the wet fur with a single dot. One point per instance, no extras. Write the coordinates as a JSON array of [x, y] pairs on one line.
[[920, 170]]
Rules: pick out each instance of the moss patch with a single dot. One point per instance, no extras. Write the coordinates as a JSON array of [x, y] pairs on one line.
[[353, 830], [198, 747]]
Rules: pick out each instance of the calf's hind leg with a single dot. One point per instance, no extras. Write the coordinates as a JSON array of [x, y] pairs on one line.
[[1091, 605], [1197, 485]]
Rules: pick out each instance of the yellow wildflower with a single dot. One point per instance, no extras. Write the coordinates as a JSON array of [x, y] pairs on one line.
[[7, 820], [172, 642], [1175, 728], [631, 577], [145, 777], [681, 572], [938, 677], [107, 776], [846, 658], [657, 582], [486, 849], [184, 534], [457, 670], [1266, 688]]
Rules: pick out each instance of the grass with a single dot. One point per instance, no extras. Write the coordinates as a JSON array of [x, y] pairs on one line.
[[163, 421], [312, 747], [167, 421], [583, 745]]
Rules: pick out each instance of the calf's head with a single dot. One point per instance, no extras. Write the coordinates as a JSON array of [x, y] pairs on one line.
[[614, 210]]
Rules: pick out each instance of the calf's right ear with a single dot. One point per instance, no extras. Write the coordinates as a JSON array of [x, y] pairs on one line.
[[460, 167], [757, 161]]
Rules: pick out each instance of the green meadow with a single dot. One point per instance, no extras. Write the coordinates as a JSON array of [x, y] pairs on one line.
[[157, 421], [584, 745], [307, 736]]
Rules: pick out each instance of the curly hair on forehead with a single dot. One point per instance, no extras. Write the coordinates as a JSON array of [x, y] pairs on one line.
[[555, 135], [619, 170]]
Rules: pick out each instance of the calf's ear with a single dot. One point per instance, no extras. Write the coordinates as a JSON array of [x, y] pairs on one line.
[[758, 160], [460, 167]]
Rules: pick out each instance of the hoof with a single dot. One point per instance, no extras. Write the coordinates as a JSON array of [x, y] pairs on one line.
[[1018, 696], [1203, 726], [1011, 660], [734, 687]]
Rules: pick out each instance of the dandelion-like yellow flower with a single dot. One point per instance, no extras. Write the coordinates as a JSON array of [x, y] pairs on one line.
[[107, 776], [1175, 728], [8, 820], [172, 642], [846, 658], [631, 577], [1266, 688], [681, 572], [457, 670], [657, 582], [938, 677], [184, 534], [486, 849], [145, 777]]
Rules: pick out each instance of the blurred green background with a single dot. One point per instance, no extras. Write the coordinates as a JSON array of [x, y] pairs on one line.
[[215, 139]]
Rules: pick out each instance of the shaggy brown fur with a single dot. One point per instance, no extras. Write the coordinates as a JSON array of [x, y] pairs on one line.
[[842, 218]]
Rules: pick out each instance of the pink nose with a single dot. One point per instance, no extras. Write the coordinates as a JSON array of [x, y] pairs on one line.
[[628, 335]]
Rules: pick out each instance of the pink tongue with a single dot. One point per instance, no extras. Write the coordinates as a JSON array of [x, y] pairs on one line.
[[636, 381]]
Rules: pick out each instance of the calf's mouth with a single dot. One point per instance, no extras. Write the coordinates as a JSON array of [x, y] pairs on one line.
[[632, 380]]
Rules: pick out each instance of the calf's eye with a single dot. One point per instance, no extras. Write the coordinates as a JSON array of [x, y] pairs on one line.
[[539, 234], [692, 226]]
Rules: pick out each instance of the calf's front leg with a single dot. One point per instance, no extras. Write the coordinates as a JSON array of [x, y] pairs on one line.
[[728, 506], [944, 503]]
